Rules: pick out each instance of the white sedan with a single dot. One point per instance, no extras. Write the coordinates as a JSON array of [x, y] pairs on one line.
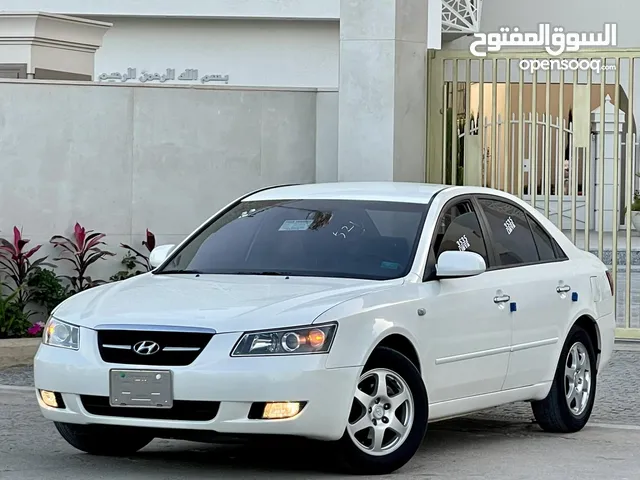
[[351, 313]]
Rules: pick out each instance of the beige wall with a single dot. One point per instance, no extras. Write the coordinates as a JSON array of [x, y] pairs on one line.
[[121, 159]]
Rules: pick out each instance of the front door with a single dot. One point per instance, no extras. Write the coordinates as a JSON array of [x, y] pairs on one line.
[[468, 324]]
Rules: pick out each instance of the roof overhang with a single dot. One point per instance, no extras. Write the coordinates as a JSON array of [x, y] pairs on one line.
[[51, 42]]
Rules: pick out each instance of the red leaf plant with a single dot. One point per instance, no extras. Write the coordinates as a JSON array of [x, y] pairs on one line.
[[140, 258], [82, 251], [18, 262]]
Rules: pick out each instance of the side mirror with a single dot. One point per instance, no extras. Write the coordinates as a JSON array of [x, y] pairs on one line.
[[159, 255], [455, 264]]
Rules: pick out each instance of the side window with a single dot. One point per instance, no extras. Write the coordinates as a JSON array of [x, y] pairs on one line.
[[512, 239], [459, 229], [543, 241]]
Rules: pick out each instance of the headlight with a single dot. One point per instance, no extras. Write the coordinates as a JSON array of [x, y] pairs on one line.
[[291, 341], [61, 334]]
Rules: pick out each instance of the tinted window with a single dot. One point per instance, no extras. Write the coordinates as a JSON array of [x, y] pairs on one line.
[[326, 238], [459, 229], [511, 237], [392, 223], [543, 241]]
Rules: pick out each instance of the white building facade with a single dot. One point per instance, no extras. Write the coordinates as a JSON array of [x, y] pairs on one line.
[[293, 43], [372, 53], [265, 43]]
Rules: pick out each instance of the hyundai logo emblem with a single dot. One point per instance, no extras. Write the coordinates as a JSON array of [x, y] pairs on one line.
[[146, 347]]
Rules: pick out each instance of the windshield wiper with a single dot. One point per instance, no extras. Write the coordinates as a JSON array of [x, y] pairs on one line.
[[178, 272], [270, 273]]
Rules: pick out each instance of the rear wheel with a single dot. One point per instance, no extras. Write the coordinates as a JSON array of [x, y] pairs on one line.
[[568, 406], [104, 440], [388, 417]]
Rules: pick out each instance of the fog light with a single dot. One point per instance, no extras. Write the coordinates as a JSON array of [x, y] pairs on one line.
[[49, 398], [281, 410]]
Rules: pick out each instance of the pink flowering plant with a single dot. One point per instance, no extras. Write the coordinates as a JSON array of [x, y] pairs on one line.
[[81, 250], [28, 283], [36, 329], [18, 263]]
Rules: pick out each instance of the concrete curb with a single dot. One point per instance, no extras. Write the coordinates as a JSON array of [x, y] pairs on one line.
[[627, 346], [18, 351], [15, 388]]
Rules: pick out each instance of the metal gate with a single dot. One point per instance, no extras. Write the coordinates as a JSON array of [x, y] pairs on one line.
[[558, 132]]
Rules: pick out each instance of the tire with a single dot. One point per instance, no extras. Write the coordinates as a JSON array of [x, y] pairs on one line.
[[401, 377], [554, 414], [104, 440]]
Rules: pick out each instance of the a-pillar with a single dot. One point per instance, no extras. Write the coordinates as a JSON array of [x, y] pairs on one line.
[[382, 91]]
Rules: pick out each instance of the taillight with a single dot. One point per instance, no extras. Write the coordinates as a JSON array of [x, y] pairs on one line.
[[610, 278]]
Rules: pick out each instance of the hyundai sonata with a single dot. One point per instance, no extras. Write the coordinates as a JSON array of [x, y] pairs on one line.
[[350, 313]]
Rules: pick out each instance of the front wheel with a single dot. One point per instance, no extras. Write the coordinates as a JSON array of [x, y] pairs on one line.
[[104, 440], [568, 406], [388, 417]]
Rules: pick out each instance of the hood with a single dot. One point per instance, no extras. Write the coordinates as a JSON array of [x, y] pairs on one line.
[[226, 303]]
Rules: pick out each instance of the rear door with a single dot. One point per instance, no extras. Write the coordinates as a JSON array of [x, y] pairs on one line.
[[539, 282]]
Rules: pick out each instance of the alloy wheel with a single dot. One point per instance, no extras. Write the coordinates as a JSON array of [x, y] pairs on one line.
[[577, 378], [382, 412]]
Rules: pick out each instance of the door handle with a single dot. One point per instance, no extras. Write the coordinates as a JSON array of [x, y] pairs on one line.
[[501, 299], [563, 289]]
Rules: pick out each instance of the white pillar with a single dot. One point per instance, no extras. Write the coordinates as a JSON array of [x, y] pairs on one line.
[[609, 136], [382, 93]]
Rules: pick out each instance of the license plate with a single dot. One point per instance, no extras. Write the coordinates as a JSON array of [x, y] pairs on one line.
[[141, 388]]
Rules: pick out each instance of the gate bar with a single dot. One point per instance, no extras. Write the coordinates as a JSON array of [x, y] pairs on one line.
[[600, 165], [629, 193], [586, 187]]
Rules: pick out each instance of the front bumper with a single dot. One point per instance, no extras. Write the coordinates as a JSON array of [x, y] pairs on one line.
[[236, 383]]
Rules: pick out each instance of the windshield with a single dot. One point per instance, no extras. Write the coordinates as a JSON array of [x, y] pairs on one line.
[[321, 238]]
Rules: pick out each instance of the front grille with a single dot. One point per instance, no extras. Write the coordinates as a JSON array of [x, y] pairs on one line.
[[186, 410], [175, 348]]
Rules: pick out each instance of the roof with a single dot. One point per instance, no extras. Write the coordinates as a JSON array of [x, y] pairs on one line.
[[373, 191]]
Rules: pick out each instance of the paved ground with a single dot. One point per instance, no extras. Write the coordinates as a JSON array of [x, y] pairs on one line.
[[617, 398], [497, 444], [30, 449]]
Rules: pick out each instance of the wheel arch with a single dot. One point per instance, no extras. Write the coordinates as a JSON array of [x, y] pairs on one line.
[[551, 410], [586, 320], [590, 325], [401, 344]]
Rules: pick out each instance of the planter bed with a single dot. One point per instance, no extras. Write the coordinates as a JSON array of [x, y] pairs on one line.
[[18, 351]]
